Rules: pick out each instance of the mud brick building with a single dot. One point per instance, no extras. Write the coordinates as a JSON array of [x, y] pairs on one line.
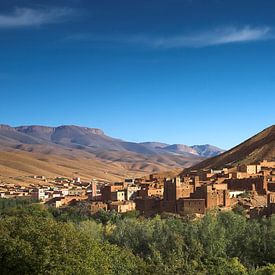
[[258, 184]]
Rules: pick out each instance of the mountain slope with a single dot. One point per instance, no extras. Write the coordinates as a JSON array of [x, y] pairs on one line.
[[66, 150], [94, 140], [180, 149], [257, 148], [207, 150]]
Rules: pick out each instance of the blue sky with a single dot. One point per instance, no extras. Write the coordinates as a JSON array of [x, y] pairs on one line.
[[176, 71]]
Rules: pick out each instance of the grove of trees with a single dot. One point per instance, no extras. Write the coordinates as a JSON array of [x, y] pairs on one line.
[[38, 240]]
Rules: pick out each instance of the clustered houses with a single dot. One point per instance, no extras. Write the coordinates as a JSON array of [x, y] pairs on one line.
[[54, 192], [185, 195], [118, 196], [194, 192]]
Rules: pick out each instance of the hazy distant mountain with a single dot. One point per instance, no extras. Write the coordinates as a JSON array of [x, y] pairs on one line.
[[180, 149], [207, 150], [82, 144], [154, 145], [257, 148]]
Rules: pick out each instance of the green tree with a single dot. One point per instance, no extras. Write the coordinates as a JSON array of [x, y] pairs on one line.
[[39, 245], [221, 266], [265, 270]]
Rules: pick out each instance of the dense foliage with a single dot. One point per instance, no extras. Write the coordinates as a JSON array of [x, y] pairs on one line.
[[37, 240]]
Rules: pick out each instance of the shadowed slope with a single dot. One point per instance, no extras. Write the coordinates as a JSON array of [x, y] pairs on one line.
[[257, 148]]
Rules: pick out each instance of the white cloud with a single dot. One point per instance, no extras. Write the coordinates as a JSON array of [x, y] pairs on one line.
[[211, 38], [27, 17], [196, 40]]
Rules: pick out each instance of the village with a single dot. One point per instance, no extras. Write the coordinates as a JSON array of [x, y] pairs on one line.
[[193, 192]]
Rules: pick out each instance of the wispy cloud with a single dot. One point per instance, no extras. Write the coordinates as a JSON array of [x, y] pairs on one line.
[[196, 40], [27, 17], [215, 37]]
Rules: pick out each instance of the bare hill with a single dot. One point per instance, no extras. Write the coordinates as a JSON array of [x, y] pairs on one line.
[[259, 147]]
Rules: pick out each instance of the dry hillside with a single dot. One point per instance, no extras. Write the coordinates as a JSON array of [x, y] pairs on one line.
[[257, 148], [86, 152]]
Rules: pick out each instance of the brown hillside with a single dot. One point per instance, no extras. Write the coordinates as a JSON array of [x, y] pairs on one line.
[[86, 152], [52, 162], [259, 147]]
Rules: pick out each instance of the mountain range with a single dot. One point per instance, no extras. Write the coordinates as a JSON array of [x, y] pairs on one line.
[[94, 140], [68, 150]]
